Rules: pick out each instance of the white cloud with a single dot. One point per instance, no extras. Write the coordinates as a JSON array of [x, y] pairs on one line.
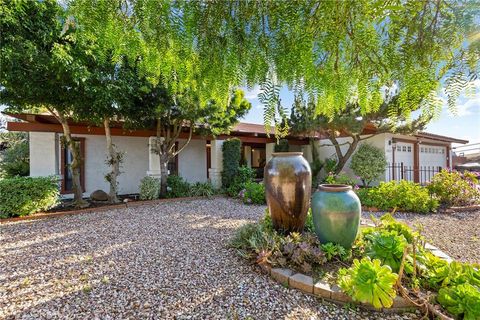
[[470, 106], [253, 93]]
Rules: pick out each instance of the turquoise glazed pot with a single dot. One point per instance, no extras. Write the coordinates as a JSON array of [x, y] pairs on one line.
[[336, 213]]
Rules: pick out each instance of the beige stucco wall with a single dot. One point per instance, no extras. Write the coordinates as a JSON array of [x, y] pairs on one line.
[[192, 161]]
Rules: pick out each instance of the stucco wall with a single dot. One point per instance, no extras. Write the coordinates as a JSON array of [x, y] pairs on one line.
[[192, 161], [43, 155]]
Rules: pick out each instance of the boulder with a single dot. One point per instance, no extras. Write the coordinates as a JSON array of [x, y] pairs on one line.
[[99, 195]]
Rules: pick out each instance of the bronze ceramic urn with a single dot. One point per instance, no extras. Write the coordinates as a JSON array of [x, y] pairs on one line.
[[288, 185]]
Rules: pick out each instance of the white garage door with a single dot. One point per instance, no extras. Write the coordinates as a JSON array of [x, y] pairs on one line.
[[403, 166], [433, 156]]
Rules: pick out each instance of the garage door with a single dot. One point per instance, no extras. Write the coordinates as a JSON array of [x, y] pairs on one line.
[[403, 166], [433, 156]]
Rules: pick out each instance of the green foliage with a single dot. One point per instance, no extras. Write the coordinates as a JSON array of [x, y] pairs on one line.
[[453, 188], [14, 161], [330, 166], [149, 188], [21, 196], [309, 226], [281, 146], [202, 189], [177, 187], [333, 250], [231, 150], [341, 178], [401, 195], [368, 163], [387, 246], [254, 193], [244, 175], [462, 300], [368, 281]]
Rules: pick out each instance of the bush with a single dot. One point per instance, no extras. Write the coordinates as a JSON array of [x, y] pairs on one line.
[[401, 195], [14, 161], [254, 193], [453, 188], [244, 176], [368, 163], [21, 196], [202, 189], [149, 188], [281, 146], [231, 150], [341, 178], [177, 187]]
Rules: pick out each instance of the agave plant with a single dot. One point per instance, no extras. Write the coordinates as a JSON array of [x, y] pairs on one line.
[[369, 281]]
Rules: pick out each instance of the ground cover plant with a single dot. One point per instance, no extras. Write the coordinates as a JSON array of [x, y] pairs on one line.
[[453, 188], [21, 196], [254, 193], [388, 259]]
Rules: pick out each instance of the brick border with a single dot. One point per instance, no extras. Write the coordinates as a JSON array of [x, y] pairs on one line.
[[333, 293], [129, 204]]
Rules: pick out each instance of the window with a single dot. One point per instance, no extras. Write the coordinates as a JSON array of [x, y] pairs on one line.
[[399, 148], [421, 149], [430, 150], [443, 151], [409, 149], [66, 161], [404, 148]]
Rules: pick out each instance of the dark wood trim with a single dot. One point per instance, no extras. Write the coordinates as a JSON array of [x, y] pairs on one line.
[[394, 140], [433, 144], [447, 154], [416, 162], [42, 127], [82, 168], [208, 150]]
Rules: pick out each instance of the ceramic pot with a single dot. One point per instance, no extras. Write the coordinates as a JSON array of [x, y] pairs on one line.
[[336, 213], [288, 186]]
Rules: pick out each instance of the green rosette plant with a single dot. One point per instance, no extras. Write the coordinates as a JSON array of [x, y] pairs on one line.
[[462, 301], [387, 246], [369, 281]]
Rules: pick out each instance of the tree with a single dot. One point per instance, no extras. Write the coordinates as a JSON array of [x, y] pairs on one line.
[[40, 68], [351, 122], [178, 117], [14, 154], [368, 163]]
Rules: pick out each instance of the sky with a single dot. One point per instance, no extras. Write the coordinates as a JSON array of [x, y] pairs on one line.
[[465, 124]]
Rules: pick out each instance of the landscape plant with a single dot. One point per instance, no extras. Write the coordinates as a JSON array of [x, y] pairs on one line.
[[21, 196], [177, 187], [244, 175], [453, 188], [368, 163], [254, 193], [149, 188], [202, 189], [15, 158], [231, 151]]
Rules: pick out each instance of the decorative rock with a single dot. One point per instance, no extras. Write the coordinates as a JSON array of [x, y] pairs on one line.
[[338, 295], [322, 289], [301, 282], [99, 195], [281, 275]]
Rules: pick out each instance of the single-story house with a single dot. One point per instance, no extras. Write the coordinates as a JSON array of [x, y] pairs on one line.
[[201, 160]]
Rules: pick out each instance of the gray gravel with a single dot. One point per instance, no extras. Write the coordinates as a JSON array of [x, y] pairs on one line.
[[164, 261], [457, 234]]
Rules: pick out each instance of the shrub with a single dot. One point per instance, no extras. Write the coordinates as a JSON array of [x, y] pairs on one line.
[[254, 193], [368, 163], [231, 150], [149, 188], [21, 196], [244, 176], [368, 281], [453, 188], [281, 146], [14, 161], [462, 300], [177, 187], [202, 189], [402, 195], [341, 178]]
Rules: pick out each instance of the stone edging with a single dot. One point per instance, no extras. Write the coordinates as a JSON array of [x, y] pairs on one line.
[[333, 293], [472, 207], [47, 215]]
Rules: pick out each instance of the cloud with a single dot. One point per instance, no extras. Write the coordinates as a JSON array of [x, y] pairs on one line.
[[467, 107], [259, 106], [253, 93]]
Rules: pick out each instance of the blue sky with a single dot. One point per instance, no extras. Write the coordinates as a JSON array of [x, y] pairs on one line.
[[465, 124]]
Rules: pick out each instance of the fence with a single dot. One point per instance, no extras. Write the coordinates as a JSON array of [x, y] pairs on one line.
[[398, 171]]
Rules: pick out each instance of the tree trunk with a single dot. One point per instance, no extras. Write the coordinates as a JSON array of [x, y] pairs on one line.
[[114, 159], [343, 158], [163, 175], [76, 164]]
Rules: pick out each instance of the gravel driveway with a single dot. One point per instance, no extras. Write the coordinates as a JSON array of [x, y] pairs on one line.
[[164, 261]]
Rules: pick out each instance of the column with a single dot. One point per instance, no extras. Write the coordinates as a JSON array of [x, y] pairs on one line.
[[269, 149], [153, 159], [216, 164]]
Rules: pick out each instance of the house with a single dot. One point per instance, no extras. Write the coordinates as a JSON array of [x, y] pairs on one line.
[[414, 157]]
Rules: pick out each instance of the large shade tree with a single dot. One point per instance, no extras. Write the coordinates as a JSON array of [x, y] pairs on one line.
[[351, 122], [39, 68]]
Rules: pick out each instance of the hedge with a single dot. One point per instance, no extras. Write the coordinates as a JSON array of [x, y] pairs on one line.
[[231, 150], [21, 196]]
